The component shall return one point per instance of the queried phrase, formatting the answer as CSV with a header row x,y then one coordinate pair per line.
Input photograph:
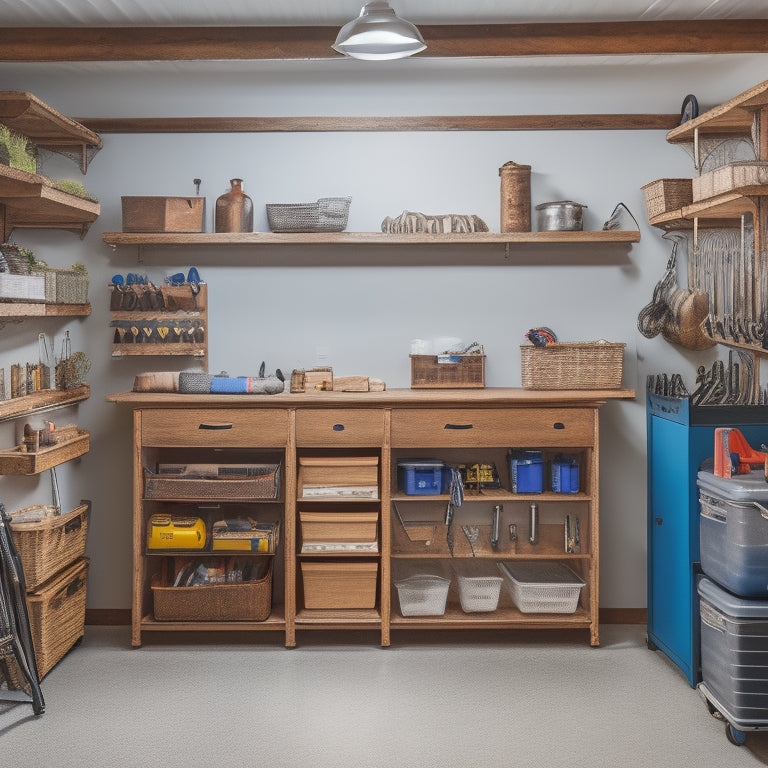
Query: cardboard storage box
x,y
163,214
343,528
353,477
734,653
339,585
733,534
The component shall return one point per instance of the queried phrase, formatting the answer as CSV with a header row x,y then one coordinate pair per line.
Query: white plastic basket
x,y
479,594
542,587
423,595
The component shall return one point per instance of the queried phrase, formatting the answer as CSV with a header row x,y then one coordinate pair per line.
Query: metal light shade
x,y
378,34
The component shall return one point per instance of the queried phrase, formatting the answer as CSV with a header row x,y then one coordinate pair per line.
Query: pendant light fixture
x,y
377,34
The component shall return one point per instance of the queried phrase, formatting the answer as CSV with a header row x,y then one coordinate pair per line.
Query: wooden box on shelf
x,y
163,214
447,371
339,585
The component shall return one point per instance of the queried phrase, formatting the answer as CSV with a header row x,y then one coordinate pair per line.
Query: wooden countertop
x,y
401,398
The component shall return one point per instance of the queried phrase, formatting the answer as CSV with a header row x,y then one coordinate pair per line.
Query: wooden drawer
x,y
329,428
215,427
493,427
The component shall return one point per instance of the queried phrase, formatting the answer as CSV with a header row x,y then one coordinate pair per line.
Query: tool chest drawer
x,y
214,427
329,428
469,428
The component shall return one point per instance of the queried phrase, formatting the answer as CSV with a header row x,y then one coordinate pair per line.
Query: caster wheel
x,y
713,710
734,735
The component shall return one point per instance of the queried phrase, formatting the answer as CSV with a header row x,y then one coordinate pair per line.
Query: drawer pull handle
x,y
559,425
459,426
338,427
215,425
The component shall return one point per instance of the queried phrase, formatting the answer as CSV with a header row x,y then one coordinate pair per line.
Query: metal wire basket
x,y
328,214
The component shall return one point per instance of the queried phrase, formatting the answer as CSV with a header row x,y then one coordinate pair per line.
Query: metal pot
x,y
560,215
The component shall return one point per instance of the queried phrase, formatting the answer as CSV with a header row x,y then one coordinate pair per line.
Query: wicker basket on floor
x,y
579,365
46,547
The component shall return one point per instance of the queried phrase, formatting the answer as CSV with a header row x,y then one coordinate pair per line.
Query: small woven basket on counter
x,y
328,214
578,365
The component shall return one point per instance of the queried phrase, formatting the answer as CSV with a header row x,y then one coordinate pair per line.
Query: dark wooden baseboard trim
x,y
623,616
108,616
122,616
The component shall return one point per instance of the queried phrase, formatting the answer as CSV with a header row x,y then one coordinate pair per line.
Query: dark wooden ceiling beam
x,y
58,44
609,122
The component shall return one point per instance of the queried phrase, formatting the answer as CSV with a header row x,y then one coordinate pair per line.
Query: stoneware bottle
x,y
234,210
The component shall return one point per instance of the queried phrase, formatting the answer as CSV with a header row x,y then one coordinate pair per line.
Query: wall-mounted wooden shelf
x,y
49,129
366,238
17,310
45,400
33,201
17,461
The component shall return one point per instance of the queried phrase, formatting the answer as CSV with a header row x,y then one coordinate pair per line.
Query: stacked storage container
x,y
734,599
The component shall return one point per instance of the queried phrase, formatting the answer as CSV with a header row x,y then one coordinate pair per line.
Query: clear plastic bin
x,y
423,595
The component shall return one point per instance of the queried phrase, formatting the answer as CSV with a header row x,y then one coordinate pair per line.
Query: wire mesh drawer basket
x,y
328,214
580,365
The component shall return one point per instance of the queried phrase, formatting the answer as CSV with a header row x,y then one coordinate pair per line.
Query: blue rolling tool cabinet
x,y
680,438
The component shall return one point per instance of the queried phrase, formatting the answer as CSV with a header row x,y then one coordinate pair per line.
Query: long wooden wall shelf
x,y
116,239
17,310
33,201
49,129
46,400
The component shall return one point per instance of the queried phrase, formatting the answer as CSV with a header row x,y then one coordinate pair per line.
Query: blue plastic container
x,y
420,477
526,472
565,474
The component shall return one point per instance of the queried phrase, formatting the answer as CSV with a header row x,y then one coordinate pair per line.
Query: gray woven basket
x,y
328,214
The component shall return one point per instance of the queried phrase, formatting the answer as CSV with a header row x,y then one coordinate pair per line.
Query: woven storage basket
x,y
248,601
263,486
328,214
50,545
57,615
665,195
65,286
579,365
428,373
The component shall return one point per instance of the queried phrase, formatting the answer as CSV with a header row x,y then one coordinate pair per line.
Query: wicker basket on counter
x,y
578,365
328,214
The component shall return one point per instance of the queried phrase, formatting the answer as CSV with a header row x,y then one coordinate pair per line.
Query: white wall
x,y
363,305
